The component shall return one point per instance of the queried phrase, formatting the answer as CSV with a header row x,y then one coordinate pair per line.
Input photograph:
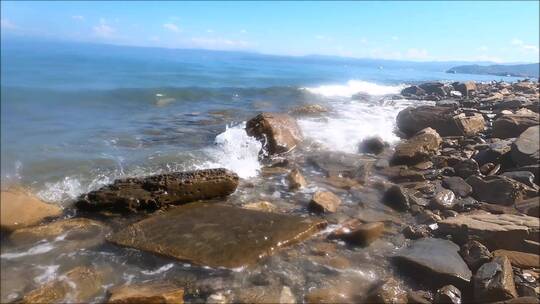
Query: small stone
x,y
444,199
475,254
418,148
448,294
296,180
359,234
494,281
324,201
397,198
466,168
418,297
416,232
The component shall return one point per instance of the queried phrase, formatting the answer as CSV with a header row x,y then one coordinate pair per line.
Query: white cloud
x,y
219,43
103,30
526,48
78,17
417,54
171,27
6,24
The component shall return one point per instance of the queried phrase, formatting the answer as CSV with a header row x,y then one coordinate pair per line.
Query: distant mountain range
x,y
517,70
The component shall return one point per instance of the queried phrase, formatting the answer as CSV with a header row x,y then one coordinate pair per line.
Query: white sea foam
x,y
236,151
159,270
353,87
38,249
49,273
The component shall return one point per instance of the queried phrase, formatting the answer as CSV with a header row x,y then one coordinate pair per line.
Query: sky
x,y
499,31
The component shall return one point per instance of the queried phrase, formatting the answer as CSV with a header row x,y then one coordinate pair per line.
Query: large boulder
x,y
437,260
512,125
494,281
465,88
526,149
164,293
444,120
418,148
496,231
435,88
216,235
279,133
413,91
496,189
19,209
153,192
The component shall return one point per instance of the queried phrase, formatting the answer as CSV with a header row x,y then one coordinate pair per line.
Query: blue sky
x,y
426,30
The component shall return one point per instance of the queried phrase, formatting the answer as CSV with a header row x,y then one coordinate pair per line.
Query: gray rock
x,y
512,125
444,199
475,254
526,149
374,145
397,198
466,168
524,177
496,189
458,185
494,281
448,294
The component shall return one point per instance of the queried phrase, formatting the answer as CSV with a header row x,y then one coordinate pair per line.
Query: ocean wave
x,y
354,87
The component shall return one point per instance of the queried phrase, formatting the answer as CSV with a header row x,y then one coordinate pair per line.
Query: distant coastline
x,y
516,70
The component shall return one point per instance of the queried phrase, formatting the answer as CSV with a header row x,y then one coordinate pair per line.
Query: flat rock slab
x,y
438,257
216,235
496,231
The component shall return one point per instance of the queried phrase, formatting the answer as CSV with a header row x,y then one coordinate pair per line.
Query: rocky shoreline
x,y
452,210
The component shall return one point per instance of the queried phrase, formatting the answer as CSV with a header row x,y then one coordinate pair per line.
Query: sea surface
x,y
77,116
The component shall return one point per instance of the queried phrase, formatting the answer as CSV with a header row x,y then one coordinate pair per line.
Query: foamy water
x,y
354,87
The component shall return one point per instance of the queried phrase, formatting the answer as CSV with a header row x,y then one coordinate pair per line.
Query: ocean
x,y
76,116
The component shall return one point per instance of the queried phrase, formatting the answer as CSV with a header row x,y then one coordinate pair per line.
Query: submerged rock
x,y
324,201
163,293
357,233
279,133
296,180
437,259
387,292
20,209
497,231
526,149
216,235
310,109
343,164
261,206
494,281
153,192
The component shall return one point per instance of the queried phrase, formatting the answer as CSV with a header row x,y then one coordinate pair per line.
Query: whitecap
x,y
353,87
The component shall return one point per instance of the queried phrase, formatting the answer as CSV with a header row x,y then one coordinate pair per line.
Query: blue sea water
x,y
75,116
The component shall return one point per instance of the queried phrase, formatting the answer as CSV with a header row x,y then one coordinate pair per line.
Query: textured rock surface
x,y
475,254
526,149
361,234
520,259
438,257
163,293
19,209
279,133
458,185
494,281
324,201
497,231
495,189
296,180
216,235
448,294
512,125
153,192
387,292
374,145
418,148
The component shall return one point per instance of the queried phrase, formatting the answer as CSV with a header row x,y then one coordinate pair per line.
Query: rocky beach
x,y
447,214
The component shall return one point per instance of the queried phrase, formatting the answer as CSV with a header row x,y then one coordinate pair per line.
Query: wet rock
x,y
85,232
279,133
524,177
387,292
497,231
418,148
265,294
466,168
444,199
325,295
296,180
434,88
419,297
512,125
164,293
216,235
401,174
343,164
475,254
465,88
374,145
359,234
341,182
79,285
261,206
458,185
494,281
495,189
397,198
20,209
324,201
448,294
470,124
519,259
526,149
153,192
416,232
434,261
534,169
495,153
520,300
529,207
309,110
413,91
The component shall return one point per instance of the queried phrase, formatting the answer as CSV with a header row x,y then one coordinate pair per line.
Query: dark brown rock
x,y
448,294
529,207
413,91
153,192
497,231
279,133
519,259
397,198
324,201
458,185
419,297
387,292
526,149
512,125
494,281
374,145
524,177
216,235
163,293
296,180
418,148
466,168
465,88
357,233
21,209
496,189
475,254
416,232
